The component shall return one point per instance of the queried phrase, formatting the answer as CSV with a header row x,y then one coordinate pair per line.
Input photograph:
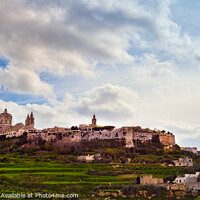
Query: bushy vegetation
x,y
12,144
134,190
101,128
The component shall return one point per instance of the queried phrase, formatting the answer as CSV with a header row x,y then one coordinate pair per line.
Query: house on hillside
x,y
191,182
148,179
188,178
183,162
89,158
190,149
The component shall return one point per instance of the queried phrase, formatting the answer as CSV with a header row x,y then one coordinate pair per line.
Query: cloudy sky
x,y
129,62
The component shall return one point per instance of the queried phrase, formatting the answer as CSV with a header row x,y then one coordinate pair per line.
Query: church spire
x,y
94,121
29,123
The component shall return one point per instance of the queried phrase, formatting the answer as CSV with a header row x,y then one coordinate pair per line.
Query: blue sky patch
x,y
3,62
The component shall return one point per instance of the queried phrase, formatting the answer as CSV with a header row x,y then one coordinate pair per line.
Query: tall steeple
x,y
29,123
94,121
31,118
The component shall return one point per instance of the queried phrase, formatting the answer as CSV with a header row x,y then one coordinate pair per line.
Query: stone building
x,y
5,119
29,123
188,178
190,149
88,158
142,136
189,182
18,126
148,179
183,162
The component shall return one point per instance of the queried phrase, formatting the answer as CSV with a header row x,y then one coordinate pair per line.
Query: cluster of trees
x,y
101,128
12,144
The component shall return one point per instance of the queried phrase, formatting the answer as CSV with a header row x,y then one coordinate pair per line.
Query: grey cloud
x,y
185,133
109,101
63,37
24,81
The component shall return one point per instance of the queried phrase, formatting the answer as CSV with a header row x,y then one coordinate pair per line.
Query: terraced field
x,y
58,177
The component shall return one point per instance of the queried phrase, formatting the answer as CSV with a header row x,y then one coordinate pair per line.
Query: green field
x,y
26,175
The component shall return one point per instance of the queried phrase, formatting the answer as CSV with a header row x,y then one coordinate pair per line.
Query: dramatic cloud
x,y
23,81
73,37
110,102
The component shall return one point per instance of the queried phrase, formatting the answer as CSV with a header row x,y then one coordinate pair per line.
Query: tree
x,y
74,128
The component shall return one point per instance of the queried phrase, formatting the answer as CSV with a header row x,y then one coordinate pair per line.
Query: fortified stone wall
x,y
167,139
129,134
68,137
142,136
105,134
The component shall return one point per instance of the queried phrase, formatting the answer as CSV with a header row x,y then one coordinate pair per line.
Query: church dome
x,y
5,118
5,113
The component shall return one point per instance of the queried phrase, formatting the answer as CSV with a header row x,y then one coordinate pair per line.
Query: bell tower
x,y
94,121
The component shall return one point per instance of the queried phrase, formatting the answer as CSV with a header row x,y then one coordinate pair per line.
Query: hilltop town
x,y
130,137
83,132
149,159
